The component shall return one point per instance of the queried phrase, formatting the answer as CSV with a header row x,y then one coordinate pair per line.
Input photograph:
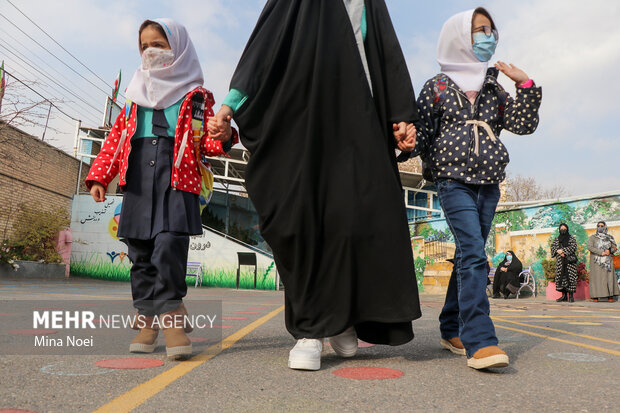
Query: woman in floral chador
x,y
602,246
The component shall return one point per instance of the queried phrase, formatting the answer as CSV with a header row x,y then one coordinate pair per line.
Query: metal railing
x,y
235,240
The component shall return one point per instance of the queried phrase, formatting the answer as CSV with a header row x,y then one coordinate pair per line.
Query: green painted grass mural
x,y
93,267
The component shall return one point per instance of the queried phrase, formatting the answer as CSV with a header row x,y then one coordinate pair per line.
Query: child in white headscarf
x,y
156,145
463,111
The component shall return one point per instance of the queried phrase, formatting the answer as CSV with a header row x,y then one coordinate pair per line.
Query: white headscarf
x,y
161,88
455,53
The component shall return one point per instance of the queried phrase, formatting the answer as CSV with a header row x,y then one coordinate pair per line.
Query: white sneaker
x,y
306,355
345,343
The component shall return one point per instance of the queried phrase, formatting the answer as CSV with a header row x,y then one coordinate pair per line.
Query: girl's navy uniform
x,y
156,222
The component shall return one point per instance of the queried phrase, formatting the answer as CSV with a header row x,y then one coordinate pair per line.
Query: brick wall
x,y
31,172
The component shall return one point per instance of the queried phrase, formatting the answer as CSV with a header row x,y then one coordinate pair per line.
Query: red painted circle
x,y
234,318
16,411
129,363
248,312
33,331
198,339
4,314
368,373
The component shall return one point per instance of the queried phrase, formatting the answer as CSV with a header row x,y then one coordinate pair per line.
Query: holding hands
x,y
513,72
218,126
405,135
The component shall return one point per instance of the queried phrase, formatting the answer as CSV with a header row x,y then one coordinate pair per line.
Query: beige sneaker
x,y
454,345
345,343
488,357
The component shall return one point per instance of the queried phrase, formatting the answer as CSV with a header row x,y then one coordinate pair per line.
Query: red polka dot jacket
x,y
114,154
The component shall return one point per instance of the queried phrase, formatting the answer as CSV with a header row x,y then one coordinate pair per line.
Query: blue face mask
x,y
484,46
508,257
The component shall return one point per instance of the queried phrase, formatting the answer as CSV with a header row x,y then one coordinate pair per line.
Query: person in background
x,y
564,250
506,280
602,246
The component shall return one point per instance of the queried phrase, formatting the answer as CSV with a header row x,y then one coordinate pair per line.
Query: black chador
x,y
323,174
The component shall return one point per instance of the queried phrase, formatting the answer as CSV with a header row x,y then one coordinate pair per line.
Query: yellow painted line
x,y
585,323
561,316
593,322
574,343
558,331
135,397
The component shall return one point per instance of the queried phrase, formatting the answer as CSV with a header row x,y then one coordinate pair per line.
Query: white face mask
x,y
156,58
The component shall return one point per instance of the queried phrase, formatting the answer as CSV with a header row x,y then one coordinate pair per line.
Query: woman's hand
x,y
97,191
513,72
504,269
218,126
605,253
405,135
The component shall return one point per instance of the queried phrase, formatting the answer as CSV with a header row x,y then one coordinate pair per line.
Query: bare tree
x,y
21,108
520,188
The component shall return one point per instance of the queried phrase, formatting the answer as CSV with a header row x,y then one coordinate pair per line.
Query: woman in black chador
x,y
323,99
506,279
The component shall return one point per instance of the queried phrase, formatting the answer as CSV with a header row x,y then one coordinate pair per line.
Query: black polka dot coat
x,y
446,137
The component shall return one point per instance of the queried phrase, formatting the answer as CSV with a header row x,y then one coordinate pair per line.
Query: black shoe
x,y
563,298
496,296
571,299
506,296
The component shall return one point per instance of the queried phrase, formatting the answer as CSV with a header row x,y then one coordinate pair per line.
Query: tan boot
x,y
188,327
178,344
146,340
454,345
488,357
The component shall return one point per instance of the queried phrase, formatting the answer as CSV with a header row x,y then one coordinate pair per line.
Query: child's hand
x,y
98,192
513,72
218,126
405,136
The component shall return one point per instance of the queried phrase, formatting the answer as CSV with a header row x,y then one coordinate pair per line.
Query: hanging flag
x,y
2,83
117,85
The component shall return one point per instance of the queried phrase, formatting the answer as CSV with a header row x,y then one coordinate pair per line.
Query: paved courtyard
x,y
564,357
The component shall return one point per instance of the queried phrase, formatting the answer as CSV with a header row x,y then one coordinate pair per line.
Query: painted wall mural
x,y
98,253
527,231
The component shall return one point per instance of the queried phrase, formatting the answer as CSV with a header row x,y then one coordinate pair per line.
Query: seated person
x,y
506,278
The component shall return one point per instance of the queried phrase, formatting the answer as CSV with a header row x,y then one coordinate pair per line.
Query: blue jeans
x,y
469,212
